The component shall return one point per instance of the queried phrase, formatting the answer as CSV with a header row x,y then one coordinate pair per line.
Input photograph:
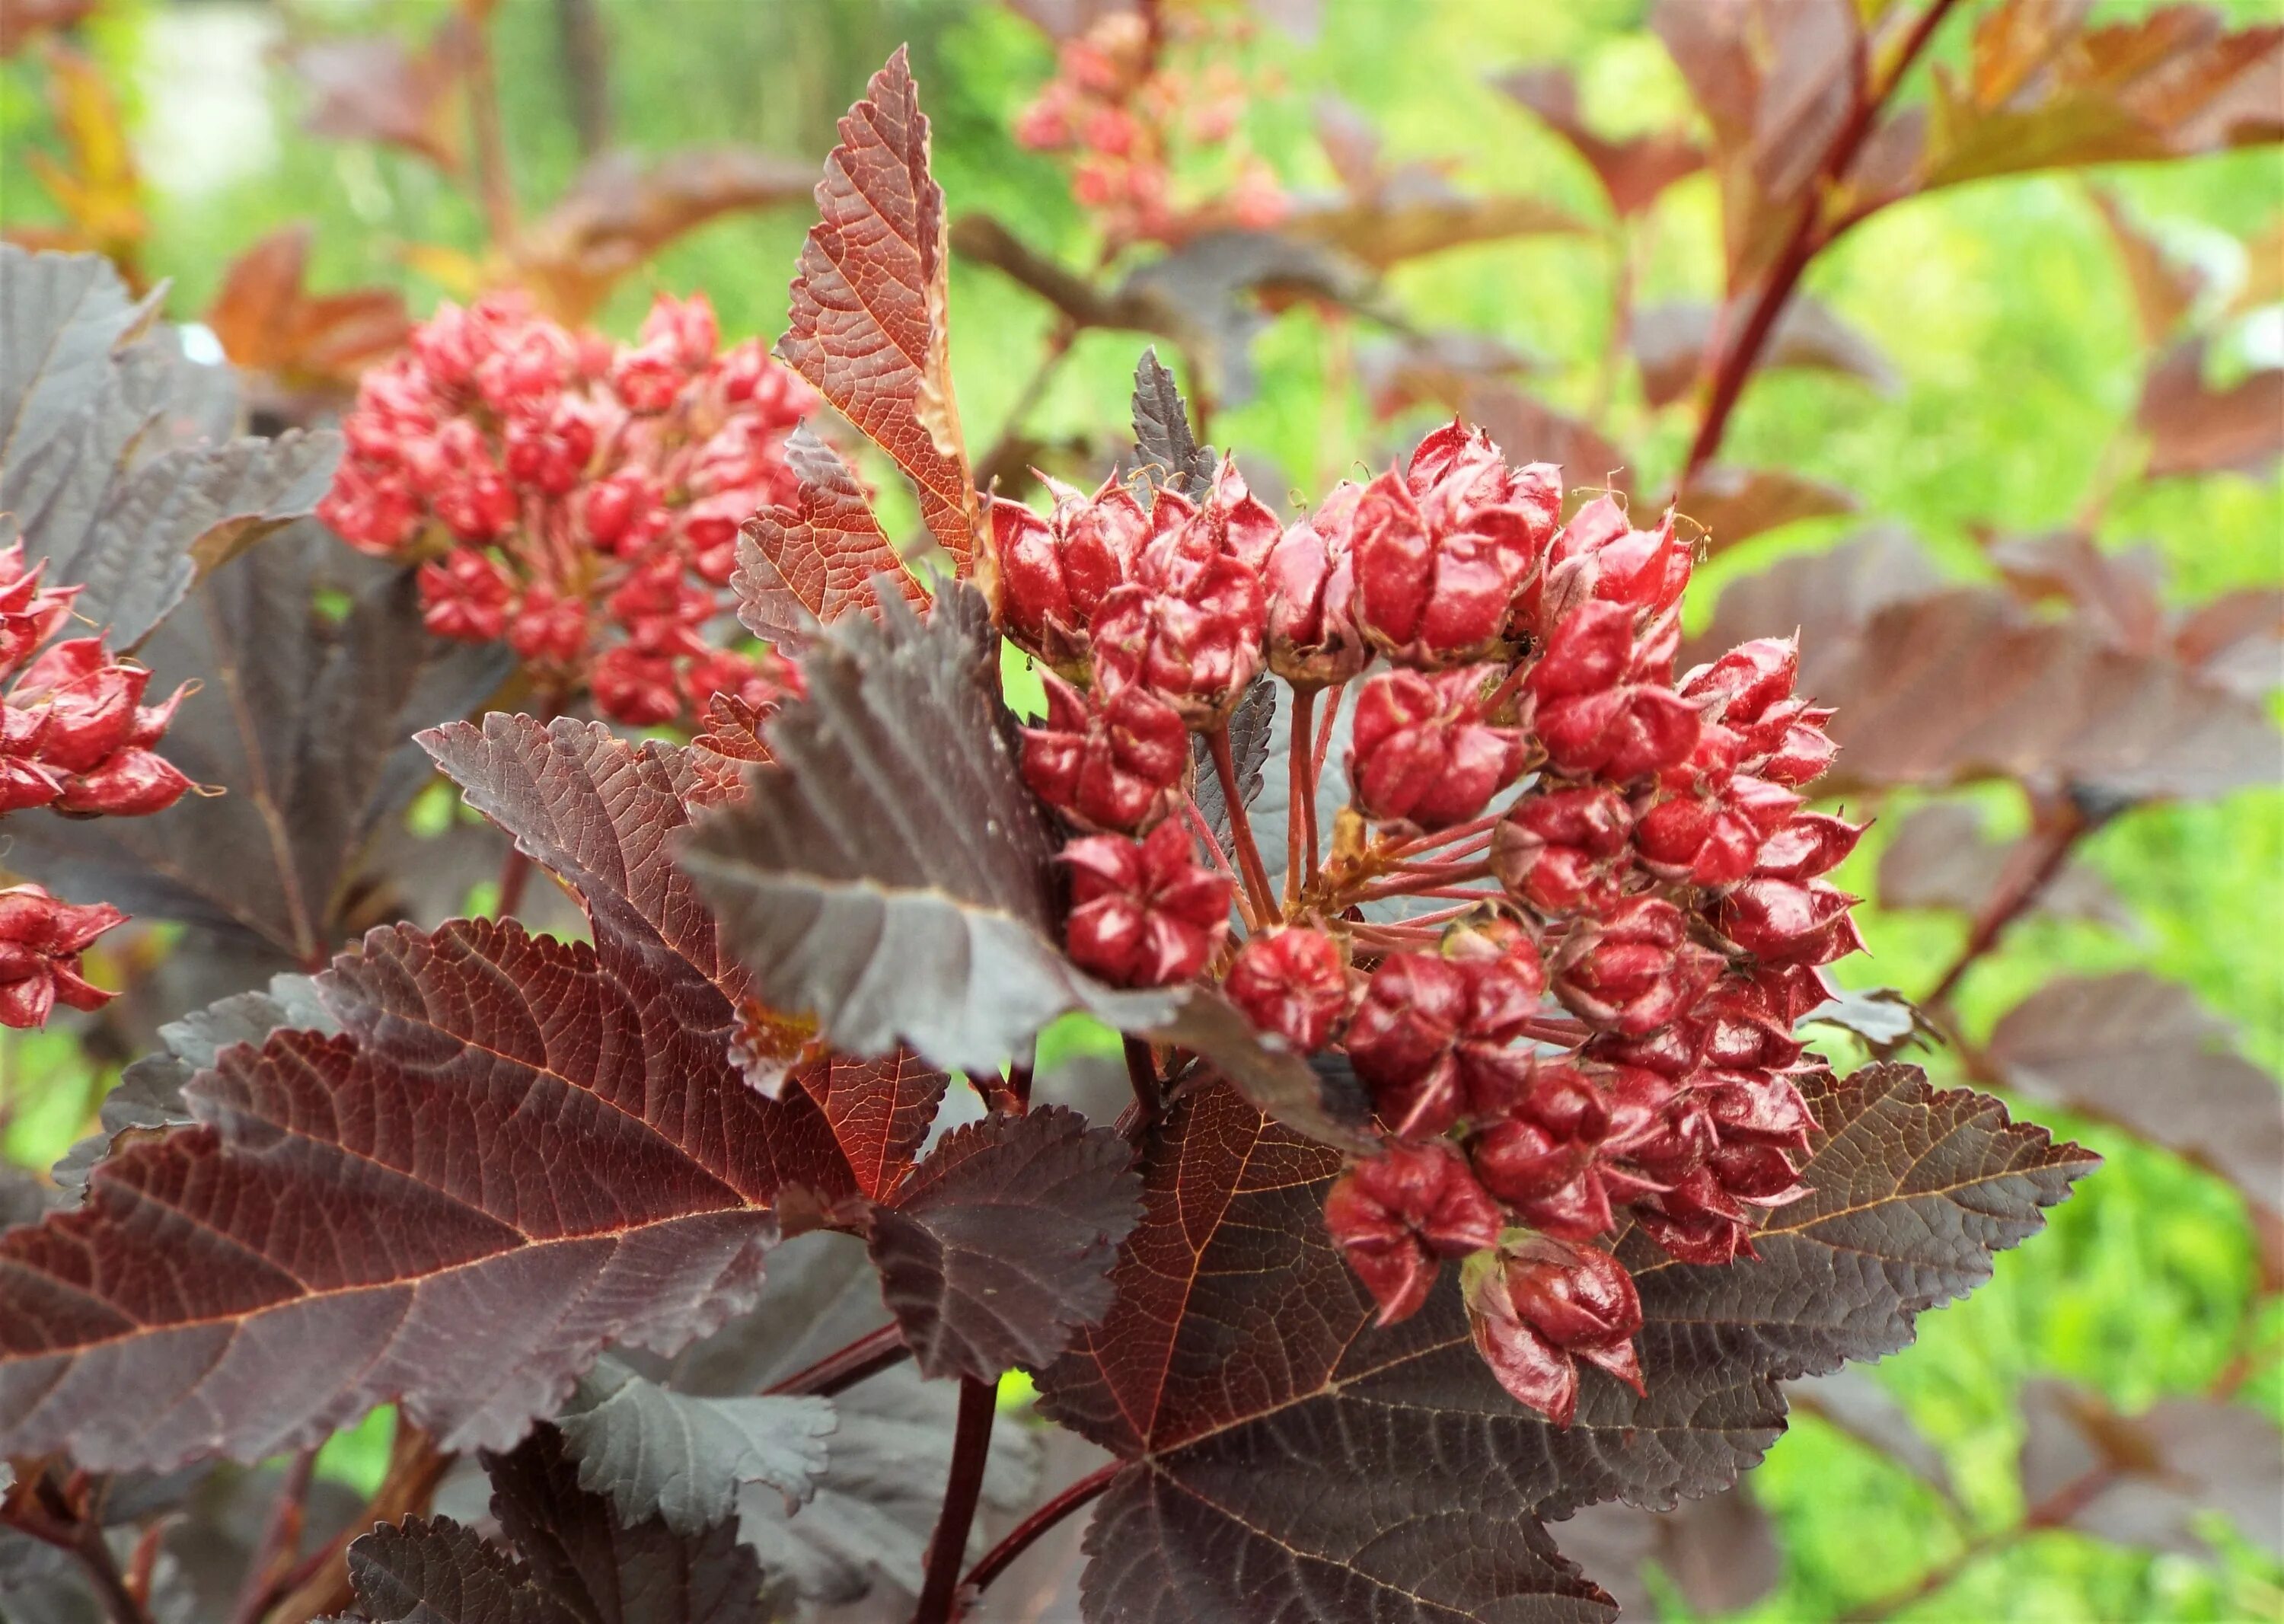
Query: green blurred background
x,y
2000,307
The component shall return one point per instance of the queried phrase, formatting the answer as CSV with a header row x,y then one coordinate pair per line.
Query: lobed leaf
x,y
1162,439
655,1451
433,1571
1000,1243
802,566
115,464
516,1150
1251,726
870,303
1939,857
266,319
1669,341
1736,505
1239,1374
2196,428
1633,171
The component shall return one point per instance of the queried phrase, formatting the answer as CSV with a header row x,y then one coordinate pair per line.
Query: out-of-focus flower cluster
x,y
76,738
580,498
1593,1022
1133,119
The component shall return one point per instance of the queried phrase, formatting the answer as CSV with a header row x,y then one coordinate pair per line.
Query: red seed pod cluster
x,y
1137,98
76,738
1618,893
579,498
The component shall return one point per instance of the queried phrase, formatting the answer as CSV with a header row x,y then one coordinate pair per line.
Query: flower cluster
x,y
579,498
1130,119
1624,893
76,738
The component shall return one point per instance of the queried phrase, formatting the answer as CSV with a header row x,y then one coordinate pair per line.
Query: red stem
x,y
971,1449
868,1355
1240,825
1142,1072
1026,1534
2012,901
1736,362
1299,802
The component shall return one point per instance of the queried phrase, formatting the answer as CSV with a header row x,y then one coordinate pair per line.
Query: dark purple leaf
x,y
1162,440
1239,1374
1000,1243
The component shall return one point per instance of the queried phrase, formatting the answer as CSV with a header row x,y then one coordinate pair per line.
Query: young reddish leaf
x,y
609,1572
305,733
1633,171
1669,341
2149,1480
115,465
267,320
542,1150
869,303
377,88
2194,428
619,213
1937,687
2144,1054
1939,857
2164,289
2236,640
601,814
2042,92
1000,1243
806,565
1736,505
1279,1442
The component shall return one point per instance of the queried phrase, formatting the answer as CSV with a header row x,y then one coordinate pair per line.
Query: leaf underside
x,y
806,565
1240,1375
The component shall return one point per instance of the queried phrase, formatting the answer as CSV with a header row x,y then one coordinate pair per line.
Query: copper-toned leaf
x,y
1439,367
620,211
268,321
2196,428
1669,340
113,464
95,183
2236,640
2041,91
999,1246
802,566
2147,1480
378,88
1937,686
24,20
1633,171
1240,1375
1736,505
2144,1054
2164,289
303,720
869,303
1939,857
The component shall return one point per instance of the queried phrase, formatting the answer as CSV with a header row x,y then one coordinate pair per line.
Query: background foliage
x,y
2007,355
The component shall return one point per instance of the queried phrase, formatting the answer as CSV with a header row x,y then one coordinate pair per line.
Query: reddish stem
x,y
868,1355
2012,901
971,1450
1739,359
280,1540
1026,1534
1142,1072
1240,825
1299,800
